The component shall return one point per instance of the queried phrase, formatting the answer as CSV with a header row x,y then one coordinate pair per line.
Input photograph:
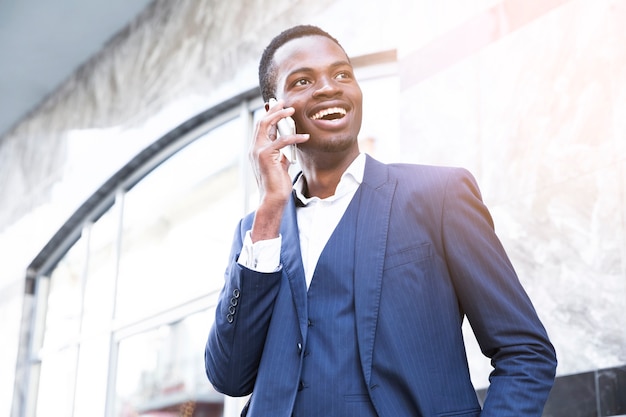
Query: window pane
x,y
93,365
178,223
161,371
101,271
64,299
379,134
56,384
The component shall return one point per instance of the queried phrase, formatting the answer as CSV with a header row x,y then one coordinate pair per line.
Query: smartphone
x,y
286,126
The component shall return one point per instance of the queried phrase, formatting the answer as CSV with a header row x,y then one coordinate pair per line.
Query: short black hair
x,y
267,69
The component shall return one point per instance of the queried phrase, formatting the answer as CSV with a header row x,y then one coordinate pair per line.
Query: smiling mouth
x,y
332,113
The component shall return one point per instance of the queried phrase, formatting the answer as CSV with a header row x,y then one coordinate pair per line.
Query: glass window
x,y
379,136
160,371
75,350
101,273
93,352
64,304
178,222
141,273
91,377
56,383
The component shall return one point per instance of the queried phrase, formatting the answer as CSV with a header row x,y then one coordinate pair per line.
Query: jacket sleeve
x,y
499,311
244,309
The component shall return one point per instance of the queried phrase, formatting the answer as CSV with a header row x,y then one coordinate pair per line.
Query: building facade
x,y
121,192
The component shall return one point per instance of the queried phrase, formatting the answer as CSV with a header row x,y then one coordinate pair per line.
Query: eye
x,y
344,75
301,82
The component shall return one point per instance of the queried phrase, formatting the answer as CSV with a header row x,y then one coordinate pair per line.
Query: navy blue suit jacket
x,y
427,256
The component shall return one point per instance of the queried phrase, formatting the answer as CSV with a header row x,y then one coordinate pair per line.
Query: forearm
x,y
235,344
521,381
267,219
500,312
242,315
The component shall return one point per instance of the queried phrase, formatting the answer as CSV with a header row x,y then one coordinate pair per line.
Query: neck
x,y
322,179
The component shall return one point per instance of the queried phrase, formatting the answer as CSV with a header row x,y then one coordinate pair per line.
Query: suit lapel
x,y
371,240
371,237
291,260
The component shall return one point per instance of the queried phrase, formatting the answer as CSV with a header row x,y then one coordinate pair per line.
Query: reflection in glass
x,y
177,225
56,384
101,273
65,298
160,372
379,136
91,377
161,252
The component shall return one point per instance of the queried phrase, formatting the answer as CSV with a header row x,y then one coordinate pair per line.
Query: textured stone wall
x,y
176,59
534,110
173,50
530,96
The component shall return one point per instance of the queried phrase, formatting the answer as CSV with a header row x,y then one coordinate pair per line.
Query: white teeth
x,y
326,112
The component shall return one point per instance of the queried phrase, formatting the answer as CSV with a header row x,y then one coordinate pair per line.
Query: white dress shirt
x,y
317,220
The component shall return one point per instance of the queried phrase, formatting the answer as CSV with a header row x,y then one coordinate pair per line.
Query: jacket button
x,y
234,301
230,318
299,348
301,386
231,309
236,293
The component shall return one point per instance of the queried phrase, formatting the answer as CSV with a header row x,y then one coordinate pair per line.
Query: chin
x,y
340,144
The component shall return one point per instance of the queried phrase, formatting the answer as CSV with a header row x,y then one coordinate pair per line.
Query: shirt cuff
x,y
261,256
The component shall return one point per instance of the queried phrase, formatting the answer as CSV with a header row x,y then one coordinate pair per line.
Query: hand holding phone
x,y
286,126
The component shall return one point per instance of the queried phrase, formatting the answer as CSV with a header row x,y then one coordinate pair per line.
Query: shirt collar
x,y
349,182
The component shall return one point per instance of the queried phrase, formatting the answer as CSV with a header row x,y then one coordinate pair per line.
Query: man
x,y
346,290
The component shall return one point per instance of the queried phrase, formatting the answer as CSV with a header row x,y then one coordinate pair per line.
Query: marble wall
x,y
529,95
534,111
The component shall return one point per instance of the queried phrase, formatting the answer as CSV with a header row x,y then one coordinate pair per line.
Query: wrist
x,y
267,219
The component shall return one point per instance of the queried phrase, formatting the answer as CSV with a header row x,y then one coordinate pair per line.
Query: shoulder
x,y
427,172
420,175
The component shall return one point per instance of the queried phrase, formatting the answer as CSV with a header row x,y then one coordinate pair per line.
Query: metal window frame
x,y
36,291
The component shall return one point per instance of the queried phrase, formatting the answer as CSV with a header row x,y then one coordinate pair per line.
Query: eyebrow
x,y
336,64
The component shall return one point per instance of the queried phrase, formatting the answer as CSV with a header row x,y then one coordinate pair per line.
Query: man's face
x,y
315,77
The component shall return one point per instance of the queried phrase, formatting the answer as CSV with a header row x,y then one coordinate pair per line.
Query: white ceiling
x,y
42,42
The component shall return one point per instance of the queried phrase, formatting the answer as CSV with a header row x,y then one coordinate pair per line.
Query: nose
x,y
327,87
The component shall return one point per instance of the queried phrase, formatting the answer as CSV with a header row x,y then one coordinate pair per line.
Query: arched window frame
x,y
37,277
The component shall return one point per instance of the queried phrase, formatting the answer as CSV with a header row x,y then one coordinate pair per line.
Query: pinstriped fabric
x,y
332,383
426,256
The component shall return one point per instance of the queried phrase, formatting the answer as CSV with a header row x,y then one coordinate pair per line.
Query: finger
x,y
287,140
278,111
